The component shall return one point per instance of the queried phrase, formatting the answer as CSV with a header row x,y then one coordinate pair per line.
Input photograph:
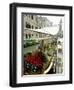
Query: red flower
x,y
35,60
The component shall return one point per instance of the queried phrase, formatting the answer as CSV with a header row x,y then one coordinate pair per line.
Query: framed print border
x,y
13,44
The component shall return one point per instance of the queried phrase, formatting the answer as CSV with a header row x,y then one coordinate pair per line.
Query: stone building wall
x,y
34,22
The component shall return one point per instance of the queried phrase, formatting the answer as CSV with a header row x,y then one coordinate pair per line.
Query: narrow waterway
x,y
30,48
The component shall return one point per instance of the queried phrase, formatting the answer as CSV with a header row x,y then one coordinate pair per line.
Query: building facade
x,y
31,22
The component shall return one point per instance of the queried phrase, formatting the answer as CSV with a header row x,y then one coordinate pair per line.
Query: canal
x,y
30,48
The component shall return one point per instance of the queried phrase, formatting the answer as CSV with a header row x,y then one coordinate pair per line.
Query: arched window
x,y
31,16
28,25
26,36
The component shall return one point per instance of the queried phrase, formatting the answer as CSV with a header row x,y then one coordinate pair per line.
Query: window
x,y
32,27
39,27
60,50
59,42
36,27
31,16
28,25
26,36
32,34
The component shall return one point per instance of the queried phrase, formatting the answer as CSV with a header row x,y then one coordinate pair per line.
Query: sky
x,y
55,19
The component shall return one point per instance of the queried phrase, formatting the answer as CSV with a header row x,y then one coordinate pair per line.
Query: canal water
x,y
30,48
